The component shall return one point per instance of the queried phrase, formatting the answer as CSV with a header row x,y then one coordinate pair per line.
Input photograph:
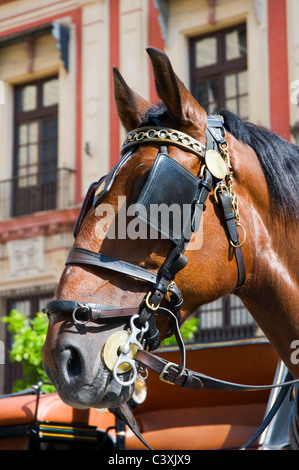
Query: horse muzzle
x,y
75,364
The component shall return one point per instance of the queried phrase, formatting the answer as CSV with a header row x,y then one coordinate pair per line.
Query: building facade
x,y
59,129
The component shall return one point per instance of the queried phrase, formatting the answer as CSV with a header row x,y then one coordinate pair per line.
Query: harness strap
x,y
270,415
229,217
241,266
87,203
106,182
194,380
78,255
168,372
124,413
83,312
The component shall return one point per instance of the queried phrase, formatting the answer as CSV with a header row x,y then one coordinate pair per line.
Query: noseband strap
x,y
83,256
83,312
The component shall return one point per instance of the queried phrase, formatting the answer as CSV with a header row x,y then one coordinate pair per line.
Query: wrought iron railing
x,y
226,319
30,193
227,333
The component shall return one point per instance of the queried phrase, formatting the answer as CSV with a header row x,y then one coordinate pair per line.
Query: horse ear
x,y
130,106
181,105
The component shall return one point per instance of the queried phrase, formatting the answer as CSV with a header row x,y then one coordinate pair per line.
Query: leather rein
x,y
164,297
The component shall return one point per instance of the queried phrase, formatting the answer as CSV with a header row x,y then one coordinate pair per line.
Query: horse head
x,y
130,268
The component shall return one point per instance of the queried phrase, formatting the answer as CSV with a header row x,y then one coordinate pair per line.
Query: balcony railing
x,y
225,320
26,194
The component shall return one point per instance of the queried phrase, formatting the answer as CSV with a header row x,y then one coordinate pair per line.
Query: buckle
x,y
165,369
168,292
152,306
220,187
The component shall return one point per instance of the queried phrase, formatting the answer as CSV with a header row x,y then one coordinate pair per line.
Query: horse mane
x,y
279,160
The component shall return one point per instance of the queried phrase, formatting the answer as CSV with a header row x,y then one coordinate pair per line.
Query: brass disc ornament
x,y
112,349
215,164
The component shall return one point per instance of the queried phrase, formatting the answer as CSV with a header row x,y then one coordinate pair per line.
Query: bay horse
x,y
117,297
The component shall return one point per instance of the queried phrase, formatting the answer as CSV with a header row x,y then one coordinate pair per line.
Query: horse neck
x,y
272,248
275,273
272,296
271,292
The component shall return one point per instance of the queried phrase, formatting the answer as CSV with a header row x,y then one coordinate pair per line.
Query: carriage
x,y
172,419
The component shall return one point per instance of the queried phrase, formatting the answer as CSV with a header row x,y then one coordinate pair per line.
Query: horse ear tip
x,y
149,49
153,51
117,76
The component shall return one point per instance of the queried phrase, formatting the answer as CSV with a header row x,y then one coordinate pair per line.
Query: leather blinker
x,y
165,202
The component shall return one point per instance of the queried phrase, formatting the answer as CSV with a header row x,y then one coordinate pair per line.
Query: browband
x,y
165,136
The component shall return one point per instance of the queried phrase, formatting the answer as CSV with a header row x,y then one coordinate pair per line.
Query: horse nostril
x,y
74,363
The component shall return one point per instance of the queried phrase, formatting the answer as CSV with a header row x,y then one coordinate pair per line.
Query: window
x,y
218,71
35,146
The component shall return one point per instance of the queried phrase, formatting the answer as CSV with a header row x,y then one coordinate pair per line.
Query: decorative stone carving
x,y
26,257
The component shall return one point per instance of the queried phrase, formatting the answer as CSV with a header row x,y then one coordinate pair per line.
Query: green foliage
x,y
188,328
28,340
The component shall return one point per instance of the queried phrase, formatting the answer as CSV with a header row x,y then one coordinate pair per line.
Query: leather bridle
x,y
164,298
162,284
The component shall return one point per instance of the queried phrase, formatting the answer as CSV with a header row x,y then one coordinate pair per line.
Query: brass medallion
x,y
215,164
112,348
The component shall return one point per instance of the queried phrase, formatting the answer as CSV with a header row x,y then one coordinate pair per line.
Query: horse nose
x,y
72,364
